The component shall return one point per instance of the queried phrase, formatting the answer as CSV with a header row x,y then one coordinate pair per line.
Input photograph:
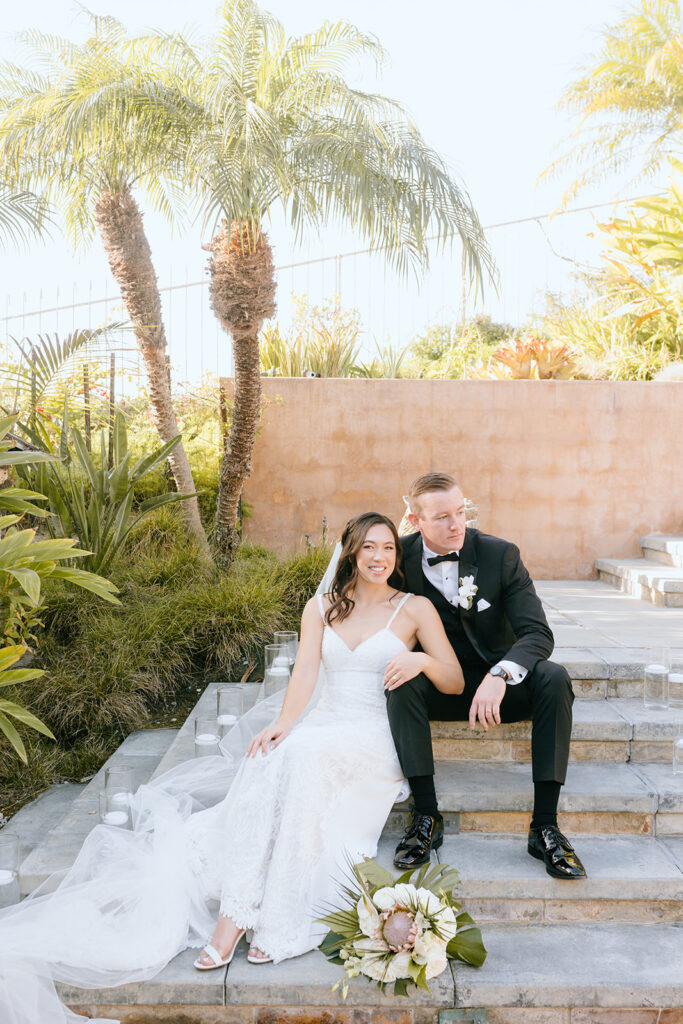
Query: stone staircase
x,y
607,950
656,577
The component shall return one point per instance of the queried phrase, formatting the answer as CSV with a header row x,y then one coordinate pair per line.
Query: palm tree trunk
x,y
242,296
119,222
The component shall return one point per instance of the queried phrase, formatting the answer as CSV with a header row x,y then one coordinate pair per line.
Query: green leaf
x,y
120,438
28,580
64,453
468,944
401,986
25,458
13,736
10,654
343,921
6,521
20,675
150,462
163,499
88,581
84,458
374,874
332,943
25,717
6,423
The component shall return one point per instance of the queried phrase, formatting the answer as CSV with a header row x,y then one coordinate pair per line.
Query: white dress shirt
x,y
446,578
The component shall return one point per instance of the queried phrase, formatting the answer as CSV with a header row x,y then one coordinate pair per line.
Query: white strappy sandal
x,y
218,961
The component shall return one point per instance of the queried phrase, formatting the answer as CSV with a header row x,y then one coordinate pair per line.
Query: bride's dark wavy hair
x,y
345,578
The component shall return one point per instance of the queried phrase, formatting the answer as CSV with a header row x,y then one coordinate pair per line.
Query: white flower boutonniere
x,y
466,591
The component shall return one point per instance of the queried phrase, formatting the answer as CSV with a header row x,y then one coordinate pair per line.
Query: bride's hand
x,y
271,736
403,667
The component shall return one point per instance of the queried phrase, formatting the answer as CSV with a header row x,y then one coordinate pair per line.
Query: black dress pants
x,y
545,696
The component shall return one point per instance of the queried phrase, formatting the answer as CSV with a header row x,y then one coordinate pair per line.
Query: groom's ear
x,y
413,520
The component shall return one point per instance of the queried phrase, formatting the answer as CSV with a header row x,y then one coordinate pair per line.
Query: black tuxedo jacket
x,y
513,627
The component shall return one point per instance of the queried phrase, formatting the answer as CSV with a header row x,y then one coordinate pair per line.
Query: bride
x,y
262,837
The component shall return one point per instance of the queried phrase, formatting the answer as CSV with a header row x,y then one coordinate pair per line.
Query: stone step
x,y
577,965
648,580
141,751
665,548
630,879
615,799
32,823
606,730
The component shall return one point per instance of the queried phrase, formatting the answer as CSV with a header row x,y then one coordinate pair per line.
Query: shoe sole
x,y
554,874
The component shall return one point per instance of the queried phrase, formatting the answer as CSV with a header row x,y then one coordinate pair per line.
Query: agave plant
x,y
89,500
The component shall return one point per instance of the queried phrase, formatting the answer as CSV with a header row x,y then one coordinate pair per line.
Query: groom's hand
x,y
486,701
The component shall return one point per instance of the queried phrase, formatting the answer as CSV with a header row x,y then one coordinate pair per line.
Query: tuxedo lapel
x,y
467,566
412,564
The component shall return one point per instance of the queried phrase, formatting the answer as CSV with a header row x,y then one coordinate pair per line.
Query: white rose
x,y
380,969
385,898
368,918
431,950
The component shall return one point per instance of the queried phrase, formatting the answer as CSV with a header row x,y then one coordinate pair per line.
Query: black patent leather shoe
x,y
548,844
424,834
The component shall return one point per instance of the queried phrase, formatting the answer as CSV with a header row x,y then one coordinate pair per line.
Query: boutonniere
x,y
466,592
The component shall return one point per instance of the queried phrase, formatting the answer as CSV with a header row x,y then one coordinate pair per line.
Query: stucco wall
x,y
568,470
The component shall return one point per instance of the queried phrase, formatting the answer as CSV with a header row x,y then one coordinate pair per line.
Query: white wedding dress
x,y
267,840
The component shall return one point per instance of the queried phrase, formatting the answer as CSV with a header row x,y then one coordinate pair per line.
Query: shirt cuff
x,y
517,673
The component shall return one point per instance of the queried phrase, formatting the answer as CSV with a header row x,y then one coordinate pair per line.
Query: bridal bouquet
x,y
400,931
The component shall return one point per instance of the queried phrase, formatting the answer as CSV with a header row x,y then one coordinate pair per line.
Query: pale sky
x,y
481,80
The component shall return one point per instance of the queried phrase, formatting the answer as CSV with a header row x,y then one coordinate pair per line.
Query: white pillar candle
x,y
115,818
6,877
224,720
119,799
205,739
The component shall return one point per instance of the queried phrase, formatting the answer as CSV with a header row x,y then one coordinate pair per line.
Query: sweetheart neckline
x,y
352,650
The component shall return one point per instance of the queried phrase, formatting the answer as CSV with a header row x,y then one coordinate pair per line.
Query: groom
x,y
497,627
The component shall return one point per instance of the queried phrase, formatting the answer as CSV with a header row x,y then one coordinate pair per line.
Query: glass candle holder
x,y
206,737
289,639
9,869
678,748
119,780
115,809
276,654
656,679
275,679
676,681
229,707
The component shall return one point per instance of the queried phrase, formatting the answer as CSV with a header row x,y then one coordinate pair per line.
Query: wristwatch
x,y
498,670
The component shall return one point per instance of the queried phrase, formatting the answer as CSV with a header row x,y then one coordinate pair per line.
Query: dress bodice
x,y
354,678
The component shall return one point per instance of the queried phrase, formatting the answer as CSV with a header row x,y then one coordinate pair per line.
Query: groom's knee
x,y
551,683
410,696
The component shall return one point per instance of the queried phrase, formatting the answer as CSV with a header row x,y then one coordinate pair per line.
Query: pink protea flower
x,y
399,929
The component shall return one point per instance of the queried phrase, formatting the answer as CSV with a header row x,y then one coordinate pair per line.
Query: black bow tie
x,y
452,556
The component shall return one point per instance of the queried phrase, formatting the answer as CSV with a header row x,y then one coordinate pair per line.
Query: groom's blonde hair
x,y
426,483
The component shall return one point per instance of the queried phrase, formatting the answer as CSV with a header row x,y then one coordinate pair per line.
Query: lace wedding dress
x,y
267,840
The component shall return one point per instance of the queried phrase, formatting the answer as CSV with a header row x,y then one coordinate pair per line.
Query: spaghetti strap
x,y
398,608
322,606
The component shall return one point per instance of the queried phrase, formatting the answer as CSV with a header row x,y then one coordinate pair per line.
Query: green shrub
x,y
109,670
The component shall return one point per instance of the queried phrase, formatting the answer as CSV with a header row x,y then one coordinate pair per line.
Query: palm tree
x,y
22,215
629,98
75,133
271,122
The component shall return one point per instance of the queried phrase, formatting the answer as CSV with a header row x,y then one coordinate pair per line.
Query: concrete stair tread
x,y
503,786
533,965
36,819
618,867
576,965
141,751
618,718
664,578
666,548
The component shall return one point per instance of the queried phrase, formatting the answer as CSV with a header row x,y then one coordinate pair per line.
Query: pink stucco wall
x,y
569,470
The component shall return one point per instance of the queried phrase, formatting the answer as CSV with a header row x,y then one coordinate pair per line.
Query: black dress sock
x,y
546,797
424,794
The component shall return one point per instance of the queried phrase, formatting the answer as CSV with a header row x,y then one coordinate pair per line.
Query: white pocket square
x,y
482,604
